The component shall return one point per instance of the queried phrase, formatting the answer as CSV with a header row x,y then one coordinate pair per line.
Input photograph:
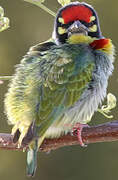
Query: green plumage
x,y
45,85
32,159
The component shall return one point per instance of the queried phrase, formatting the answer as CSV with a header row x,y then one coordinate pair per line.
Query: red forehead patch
x,y
76,13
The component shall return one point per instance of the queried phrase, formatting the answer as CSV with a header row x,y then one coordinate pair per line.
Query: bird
x,y
59,84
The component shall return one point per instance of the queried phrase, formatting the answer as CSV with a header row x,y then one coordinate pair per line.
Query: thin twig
x,y
3,78
94,134
42,6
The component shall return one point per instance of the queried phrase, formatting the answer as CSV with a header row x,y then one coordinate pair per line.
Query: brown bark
x,y
100,133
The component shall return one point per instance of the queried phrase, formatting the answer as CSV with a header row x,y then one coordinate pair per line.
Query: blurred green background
x,y
30,25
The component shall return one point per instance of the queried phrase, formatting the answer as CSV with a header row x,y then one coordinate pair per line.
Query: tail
x,y
32,159
34,142
32,156
33,147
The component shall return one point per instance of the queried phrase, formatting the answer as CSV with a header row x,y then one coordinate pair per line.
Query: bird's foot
x,y
79,127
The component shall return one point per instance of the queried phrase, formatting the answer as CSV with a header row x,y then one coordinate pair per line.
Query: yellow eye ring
x,y
61,20
61,30
93,28
92,18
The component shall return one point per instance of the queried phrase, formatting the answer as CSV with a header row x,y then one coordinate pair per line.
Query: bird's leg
x,y
79,127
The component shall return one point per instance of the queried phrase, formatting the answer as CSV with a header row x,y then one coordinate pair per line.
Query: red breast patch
x,y
100,43
74,13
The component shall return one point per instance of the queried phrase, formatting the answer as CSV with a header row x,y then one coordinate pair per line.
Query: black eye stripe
x,y
66,26
92,23
84,23
88,24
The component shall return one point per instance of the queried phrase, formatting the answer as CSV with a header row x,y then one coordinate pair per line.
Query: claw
x,y
79,127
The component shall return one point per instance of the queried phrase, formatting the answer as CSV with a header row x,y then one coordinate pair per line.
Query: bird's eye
x,y
91,24
84,23
67,25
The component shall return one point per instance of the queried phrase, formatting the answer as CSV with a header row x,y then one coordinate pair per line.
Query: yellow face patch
x,y
93,28
61,20
92,18
80,38
61,30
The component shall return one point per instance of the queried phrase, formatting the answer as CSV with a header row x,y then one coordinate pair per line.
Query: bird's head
x,y
76,19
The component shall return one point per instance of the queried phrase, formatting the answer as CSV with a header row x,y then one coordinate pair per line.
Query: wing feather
x,y
49,80
64,83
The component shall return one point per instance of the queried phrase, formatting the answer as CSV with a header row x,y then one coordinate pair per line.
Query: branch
x,y
101,133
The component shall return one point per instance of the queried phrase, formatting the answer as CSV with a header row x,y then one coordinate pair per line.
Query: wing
x,y
41,47
64,80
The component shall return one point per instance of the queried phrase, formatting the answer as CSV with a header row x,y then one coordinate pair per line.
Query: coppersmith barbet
x,y
60,83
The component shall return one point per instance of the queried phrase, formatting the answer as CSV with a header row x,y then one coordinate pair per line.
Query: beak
x,y
77,28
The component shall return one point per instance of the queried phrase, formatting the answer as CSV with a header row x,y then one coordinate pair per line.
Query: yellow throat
x,y
80,38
